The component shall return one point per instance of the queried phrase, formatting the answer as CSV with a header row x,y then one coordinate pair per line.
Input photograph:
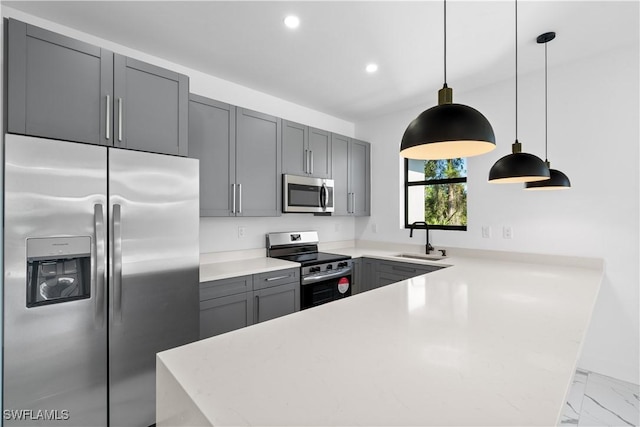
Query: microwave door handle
x,y
323,197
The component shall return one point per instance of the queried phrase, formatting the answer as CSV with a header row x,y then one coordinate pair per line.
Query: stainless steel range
x,y
324,277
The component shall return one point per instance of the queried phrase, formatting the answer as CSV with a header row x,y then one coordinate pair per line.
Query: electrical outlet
x,y
241,232
374,228
507,233
486,231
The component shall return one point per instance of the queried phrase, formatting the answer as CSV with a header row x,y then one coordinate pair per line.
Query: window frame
x,y
408,184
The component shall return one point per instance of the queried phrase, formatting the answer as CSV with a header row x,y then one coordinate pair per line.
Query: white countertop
x,y
226,269
484,342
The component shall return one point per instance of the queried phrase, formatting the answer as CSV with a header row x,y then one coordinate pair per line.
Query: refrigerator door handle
x,y
99,270
117,263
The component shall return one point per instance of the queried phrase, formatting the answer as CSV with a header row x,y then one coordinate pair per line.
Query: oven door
x,y
307,194
317,291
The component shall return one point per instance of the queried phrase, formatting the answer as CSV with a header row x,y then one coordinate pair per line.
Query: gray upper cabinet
x,y
151,107
57,86
62,88
320,153
340,170
258,167
360,177
305,150
212,127
239,152
295,148
351,169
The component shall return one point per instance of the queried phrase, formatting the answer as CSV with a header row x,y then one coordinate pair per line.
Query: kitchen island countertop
x,y
482,342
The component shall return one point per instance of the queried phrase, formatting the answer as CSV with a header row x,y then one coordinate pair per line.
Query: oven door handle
x,y
320,277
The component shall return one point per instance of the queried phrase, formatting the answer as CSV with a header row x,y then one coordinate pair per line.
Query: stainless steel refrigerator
x,y
101,264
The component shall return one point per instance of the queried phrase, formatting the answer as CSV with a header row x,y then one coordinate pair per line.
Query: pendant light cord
x,y
516,70
546,102
445,43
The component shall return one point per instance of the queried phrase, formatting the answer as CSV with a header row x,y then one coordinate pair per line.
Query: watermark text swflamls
x,y
35,415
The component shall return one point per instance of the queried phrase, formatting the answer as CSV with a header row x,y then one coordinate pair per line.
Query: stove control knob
x,y
342,264
329,267
314,269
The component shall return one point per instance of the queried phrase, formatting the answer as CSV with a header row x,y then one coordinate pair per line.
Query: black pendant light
x,y
448,130
558,180
518,166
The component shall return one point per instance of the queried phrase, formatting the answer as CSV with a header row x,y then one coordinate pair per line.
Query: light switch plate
x,y
486,231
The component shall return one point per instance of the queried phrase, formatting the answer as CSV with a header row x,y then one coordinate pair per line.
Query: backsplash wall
x,y
221,234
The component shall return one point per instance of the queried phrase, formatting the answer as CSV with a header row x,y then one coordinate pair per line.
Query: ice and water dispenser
x,y
58,269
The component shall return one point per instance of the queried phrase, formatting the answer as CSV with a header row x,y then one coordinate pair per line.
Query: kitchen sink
x,y
422,257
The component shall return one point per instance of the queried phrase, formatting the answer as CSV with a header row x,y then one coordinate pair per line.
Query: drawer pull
x,y
271,279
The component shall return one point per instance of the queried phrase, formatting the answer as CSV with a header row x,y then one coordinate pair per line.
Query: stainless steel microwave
x,y
307,194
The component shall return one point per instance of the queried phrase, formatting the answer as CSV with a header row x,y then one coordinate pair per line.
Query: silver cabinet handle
x,y
99,263
239,198
349,203
107,132
311,162
120,102
233,201
353,204
306,161
117,263
271,279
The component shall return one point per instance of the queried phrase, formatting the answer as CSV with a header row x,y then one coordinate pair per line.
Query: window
x,y
435,191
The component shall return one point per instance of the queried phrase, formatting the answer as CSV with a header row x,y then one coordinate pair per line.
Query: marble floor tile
x,y
609,402
571,413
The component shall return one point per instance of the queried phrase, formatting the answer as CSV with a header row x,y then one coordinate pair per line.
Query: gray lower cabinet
x,y
356,276
376,273
305,150
62,88
351,169
230,304
277,301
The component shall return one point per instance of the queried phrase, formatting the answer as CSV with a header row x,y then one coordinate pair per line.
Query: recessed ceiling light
x,y
372,68
292,21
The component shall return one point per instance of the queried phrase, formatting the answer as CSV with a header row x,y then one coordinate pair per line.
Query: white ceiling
x,y
321,64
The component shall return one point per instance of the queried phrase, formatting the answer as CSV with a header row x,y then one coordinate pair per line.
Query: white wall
x,y
593,138
221,234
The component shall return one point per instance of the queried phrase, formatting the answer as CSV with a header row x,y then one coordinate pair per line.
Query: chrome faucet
x,y
428,247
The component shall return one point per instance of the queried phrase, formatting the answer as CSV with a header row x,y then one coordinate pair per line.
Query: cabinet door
x,y
320,153
368,273
356,276
212,140
360,177
151,107
276,301
295,157
340,173
258,167
384,279
224,314
57,86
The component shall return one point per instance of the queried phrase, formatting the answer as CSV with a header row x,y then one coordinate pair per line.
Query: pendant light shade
x,y
448,130
558,180
518,166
